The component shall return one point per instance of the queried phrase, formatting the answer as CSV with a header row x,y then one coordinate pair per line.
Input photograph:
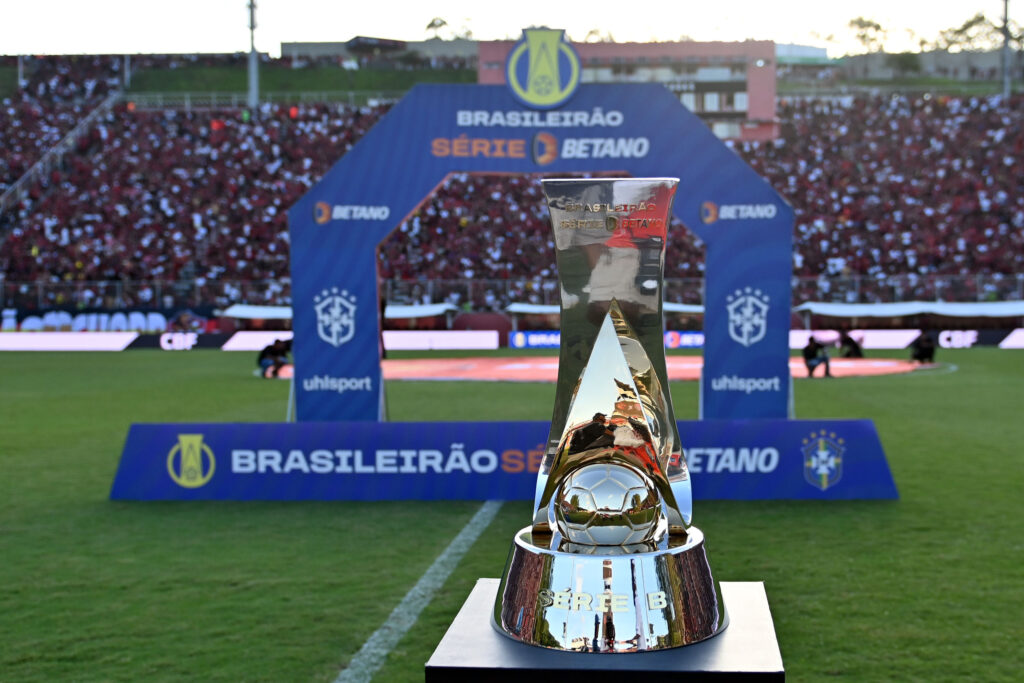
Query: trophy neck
x,y
610,236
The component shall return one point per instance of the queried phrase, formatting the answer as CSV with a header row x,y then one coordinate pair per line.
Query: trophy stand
x,y
472,651
610,575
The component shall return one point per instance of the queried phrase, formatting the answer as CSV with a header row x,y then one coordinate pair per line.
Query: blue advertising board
x,y
729,460
547,339
635,129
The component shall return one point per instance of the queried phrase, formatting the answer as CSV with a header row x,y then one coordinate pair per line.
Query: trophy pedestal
x,y
472,650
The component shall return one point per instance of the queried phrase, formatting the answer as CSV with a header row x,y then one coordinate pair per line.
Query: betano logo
x,y
190,462
543,70
708,212
324,212
711,212
321,212
545,148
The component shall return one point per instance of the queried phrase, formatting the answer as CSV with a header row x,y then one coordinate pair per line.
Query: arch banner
x,y
638,130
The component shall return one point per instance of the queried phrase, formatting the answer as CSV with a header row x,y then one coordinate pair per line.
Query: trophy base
x,y
747,651
608,603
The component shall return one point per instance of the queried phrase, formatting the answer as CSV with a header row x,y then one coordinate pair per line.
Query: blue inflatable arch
x,y
637,129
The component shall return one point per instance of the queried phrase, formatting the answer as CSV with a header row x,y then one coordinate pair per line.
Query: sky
x,y
147,26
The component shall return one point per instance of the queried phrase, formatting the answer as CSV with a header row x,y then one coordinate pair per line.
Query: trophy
x,y
610,562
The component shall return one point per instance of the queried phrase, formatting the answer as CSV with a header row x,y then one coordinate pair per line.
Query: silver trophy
x,y
610,562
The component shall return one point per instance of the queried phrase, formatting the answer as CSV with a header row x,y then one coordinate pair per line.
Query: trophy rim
x,y
644,179
694,537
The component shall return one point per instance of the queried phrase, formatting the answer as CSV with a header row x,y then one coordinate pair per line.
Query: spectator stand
x,y
916,314
896,198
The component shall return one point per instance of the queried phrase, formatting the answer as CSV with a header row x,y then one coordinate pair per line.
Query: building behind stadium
x,y
730,85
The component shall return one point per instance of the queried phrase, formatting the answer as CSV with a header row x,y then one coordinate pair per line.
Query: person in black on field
x,y
274,356
815,355
923,348
850,347
380,331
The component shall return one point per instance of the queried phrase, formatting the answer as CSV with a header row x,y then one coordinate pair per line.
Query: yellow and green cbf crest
x,y
823,458
190,462
543,69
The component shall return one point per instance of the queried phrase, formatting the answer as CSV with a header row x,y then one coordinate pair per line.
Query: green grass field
x,y
8,81
283,79
928,588
909,85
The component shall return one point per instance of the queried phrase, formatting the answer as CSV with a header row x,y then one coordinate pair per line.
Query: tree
x,y
595,36
465,32
435,25
977,33
869,33
830,38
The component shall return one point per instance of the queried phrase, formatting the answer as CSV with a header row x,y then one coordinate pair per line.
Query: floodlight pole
x,y
1006,48
254,69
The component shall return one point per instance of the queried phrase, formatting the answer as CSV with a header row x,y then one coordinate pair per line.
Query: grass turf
x,y
914,84
283,79
8,81
926,588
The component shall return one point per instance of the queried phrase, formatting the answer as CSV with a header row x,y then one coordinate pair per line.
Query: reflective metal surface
x,y
607,504
608,564
610,236
626,602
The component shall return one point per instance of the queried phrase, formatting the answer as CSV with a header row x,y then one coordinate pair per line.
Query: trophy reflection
x,y
610,562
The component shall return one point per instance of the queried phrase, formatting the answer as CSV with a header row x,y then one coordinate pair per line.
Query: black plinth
x,y
747,650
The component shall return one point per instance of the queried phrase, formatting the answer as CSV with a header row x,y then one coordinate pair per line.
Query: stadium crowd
x,y
55,94
885,189
902,186
168,195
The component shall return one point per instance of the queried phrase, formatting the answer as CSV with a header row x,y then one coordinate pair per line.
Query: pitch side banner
x,y
729,459
105,319
636,129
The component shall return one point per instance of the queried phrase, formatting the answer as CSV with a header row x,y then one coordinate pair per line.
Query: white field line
x,y
940,369
375,650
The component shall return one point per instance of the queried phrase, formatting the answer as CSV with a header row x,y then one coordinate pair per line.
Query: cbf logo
x,y
335,316
543,70
823,459
748,315
191,463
